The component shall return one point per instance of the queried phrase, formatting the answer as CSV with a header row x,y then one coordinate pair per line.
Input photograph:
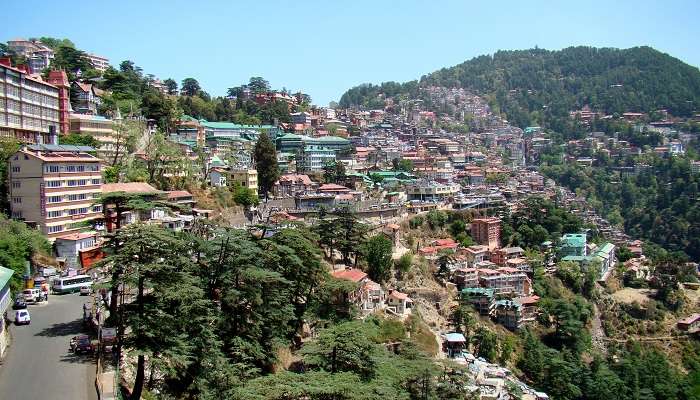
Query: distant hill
x,y
535,84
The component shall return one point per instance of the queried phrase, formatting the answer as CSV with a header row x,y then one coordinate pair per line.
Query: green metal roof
x,y
606,248
5,275
576,258
574,239
479,290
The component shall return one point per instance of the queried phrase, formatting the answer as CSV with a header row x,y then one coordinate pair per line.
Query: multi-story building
x,y
573,244
505,281
431,191
98,62
98,127
38,55
487,231
54,187
247,178
29,107
87,98
502,255
60,80
314,158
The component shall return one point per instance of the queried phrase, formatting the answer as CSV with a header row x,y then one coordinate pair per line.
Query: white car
x,y
85,290
31,295
22,317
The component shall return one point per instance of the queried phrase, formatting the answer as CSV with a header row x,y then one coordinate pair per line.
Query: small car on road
x,y
82,344
31,295
22,317
85,290
19,304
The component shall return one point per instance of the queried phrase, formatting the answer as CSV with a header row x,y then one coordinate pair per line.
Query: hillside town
x,y
442,177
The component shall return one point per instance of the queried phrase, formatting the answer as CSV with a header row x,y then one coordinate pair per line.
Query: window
x,y
80,168
15,168
70,168
52,168
97,209
55,214
17,200
17,214
72,182
54,199
53,184
16,184
54,229
82,182
96,181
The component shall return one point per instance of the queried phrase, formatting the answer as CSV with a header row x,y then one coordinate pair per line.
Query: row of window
x,y
71,168
72,197
59,228
73,211
69,183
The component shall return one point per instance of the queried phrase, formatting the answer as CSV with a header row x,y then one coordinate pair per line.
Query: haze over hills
x,y
535,85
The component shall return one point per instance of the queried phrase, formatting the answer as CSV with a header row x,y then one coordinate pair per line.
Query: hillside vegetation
x,y
536,85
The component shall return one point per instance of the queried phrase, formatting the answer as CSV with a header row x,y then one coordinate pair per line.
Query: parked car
x,y
31,295
22,317
19,304
85,290
83,345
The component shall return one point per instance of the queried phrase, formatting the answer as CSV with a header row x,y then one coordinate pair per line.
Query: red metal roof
x,y
350,274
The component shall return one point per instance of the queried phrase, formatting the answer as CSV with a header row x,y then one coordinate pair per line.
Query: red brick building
x,y
487,231
60,80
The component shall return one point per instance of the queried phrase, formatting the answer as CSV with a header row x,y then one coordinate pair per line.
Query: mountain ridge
x,y
550,83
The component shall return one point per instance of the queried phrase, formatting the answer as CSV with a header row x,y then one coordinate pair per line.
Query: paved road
x,y
39,364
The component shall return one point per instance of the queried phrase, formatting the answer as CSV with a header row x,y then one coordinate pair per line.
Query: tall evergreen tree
x,y
266,164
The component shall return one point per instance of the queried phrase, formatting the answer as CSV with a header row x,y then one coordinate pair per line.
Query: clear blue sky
x,y
326,47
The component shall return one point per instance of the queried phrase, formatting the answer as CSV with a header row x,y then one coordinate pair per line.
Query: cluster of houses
x,y
369,296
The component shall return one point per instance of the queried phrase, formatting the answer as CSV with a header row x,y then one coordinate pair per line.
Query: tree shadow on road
x,y
78,358
63,329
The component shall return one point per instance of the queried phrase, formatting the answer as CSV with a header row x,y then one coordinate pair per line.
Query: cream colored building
x,y
98,62
247,178
98,127
55,188
29,108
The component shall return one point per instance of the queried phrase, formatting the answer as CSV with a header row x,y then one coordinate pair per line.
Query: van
x,y
31,295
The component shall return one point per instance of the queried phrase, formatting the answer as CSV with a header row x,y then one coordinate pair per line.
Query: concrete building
x,y
98,62
431,191
98,127
314,158
78,249
38,55
247,178
573,244
29,107
487,231
55,187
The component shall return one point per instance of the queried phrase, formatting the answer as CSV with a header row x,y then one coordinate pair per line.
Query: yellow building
x,y
54,188
247,178
98,127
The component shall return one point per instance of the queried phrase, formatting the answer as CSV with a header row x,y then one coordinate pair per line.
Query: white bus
x,y
69,284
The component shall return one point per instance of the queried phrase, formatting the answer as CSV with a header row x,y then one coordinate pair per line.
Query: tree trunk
x,y
140,367
140,375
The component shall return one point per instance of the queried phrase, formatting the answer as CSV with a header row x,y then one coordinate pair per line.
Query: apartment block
x,y
55,188
98,62
38,55
29,107
487,231
247,178
98,127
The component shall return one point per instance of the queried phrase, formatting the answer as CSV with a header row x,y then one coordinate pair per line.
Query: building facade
x,y
29,107
38,55
247,178
487,231
98,62
98,127
55,188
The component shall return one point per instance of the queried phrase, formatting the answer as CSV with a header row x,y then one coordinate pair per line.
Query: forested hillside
x,y
536,85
